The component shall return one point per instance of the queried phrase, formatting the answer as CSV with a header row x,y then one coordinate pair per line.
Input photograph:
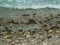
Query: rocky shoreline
x,y
30,29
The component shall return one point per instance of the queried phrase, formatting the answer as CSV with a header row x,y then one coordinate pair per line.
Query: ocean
x,y
23,4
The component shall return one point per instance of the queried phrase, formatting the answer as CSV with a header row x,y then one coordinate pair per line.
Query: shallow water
x,y
16,15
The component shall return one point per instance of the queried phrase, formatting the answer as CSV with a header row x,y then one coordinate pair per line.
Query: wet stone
x,y
40,22
20,30
34,14
3,31
25,15
50,31
49,37
58,14
12,44
33,32
1,35
2,40
31,21
1,19
58,22
45,25
16,22
8,37
54,27
6,28
46,30
10,21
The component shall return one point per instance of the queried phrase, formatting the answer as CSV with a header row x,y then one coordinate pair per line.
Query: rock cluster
x,y
34,31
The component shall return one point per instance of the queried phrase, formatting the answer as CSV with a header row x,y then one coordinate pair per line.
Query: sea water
x,y
22,4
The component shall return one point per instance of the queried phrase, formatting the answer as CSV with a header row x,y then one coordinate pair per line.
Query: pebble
x,y
31,21
45,25
25,15
49,37
50,31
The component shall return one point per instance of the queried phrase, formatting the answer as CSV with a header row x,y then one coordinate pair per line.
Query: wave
x,y
34,4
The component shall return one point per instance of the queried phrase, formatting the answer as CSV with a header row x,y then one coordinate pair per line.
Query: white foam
x,y
32,6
